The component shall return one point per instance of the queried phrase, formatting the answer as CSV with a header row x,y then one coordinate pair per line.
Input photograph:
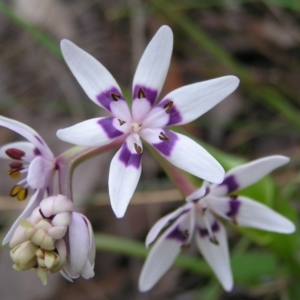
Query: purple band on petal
x,y
105,98
37,151
128,158
204,232
178,235
151,94
234,206
166,146
39,139
108,127
230,183
174,114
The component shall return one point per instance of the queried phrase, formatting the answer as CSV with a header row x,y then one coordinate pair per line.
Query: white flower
x,y
196,219
147,119
33,158
81,249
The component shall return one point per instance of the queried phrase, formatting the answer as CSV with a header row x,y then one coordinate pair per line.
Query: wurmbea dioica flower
x,y
33,158
147,119
55,239
197,219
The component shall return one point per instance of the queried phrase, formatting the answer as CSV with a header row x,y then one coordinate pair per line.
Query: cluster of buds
x,y
45,241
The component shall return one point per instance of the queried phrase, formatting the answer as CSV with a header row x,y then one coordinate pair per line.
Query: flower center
x,y
136,127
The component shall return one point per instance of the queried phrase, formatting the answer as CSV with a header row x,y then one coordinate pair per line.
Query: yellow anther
x,y
14,174
15,190
22,194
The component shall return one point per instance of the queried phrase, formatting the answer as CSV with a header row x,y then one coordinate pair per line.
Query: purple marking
x,y
178,235
234,206
174,114
39,139
105,98
230,183
108,127
204,232
166,147
36,151
128,158
151,94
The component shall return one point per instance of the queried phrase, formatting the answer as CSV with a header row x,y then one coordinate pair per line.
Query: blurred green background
x,y
258,41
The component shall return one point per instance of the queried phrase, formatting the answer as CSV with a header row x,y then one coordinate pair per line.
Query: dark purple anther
x,y
174,115
204,232
150,94
234,206
178,234
106,97
166,146
128,158
16,165
108,127
230,183
15,153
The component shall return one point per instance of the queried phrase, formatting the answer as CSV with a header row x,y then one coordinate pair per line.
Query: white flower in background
x,y
33,158
197,219
147,119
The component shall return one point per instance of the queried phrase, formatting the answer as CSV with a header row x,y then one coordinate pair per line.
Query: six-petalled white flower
x,y
33,158
197,219
147,119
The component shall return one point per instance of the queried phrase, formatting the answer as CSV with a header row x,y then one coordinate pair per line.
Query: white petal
x,y
154,64
216,255
192,101
198,194
185,154
93,77
87,271
78,245
26,147
250,213
34,201
247,174
93,132
164,221
39,173
124,174
164,252
28,133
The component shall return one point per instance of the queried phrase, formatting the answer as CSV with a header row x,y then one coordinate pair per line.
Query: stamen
x,y
15,190
168,106
186,233
141,93
22,194
16,165
234,221
14,174
214,240
15,153
138,148
121,122
115,96
163,137
185,246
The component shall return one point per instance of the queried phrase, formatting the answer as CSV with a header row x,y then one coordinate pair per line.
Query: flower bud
x,y
81,248
23,256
